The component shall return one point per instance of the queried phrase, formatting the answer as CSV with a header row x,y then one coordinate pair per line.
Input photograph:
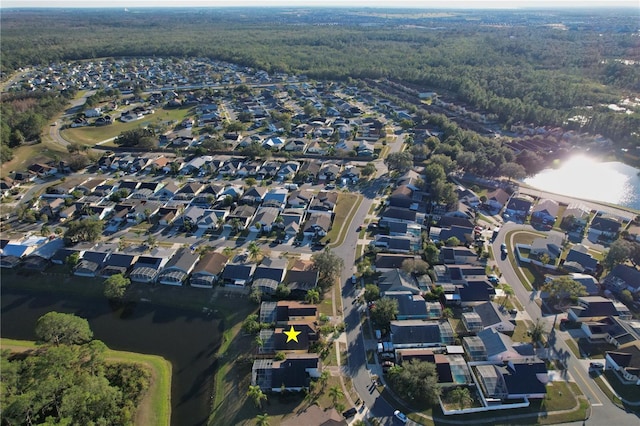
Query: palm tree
x,y
324,377
508,292
254,250
536,331
227,251
235,224
259,341
262,420
461,396
257,395
335,394
312,297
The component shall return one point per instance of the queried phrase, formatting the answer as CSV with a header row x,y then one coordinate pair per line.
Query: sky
x,y
450,4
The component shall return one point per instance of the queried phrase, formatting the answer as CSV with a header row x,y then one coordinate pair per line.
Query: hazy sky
x,y
476,4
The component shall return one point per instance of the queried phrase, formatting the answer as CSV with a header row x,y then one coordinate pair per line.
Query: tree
x,y
262,420
536,331
45,230
461,397
368,170
371,292
58,328
254,250
115,286
256,394
618,253
384,311
312,296
508,292
250,181
431,253
447,313
416,381
250,324
513,171
256,295
83,230
563,289
415,266
324,377
73,259
400,162
282,291
335,393
626,296
329,267
452,242
227,251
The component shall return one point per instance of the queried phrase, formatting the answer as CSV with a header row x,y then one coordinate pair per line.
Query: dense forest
x,y
533,67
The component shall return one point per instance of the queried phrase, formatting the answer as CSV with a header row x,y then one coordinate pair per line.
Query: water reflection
x,y
586,178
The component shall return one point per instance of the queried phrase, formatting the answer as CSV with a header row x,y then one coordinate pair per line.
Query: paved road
x,y
603,412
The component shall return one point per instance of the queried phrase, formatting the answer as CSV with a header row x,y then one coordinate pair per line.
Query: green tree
x,y
416,381
452,242
431,253
618,253
312,296
537,330
262,420
116,286
335,393
256,394
563,289
254,250
256,295
73,259
461,397
58,328
368,170
371,292
384,311
83,230
400,162
626,296
513,171
250,324
282,291
329,267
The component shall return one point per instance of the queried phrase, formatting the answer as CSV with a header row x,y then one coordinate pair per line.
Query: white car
x,y
400,416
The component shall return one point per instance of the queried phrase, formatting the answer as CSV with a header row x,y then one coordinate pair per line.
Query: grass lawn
x,y
91,135
346,205
607,391
155,407
26,155
326,305
520,333
628,392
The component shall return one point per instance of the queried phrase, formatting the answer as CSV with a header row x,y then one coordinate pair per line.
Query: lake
x,y
586,178
188,340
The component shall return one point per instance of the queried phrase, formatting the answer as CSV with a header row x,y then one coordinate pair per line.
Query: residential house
x,y
167,192
398,280
269,169
613,330
328,172
513,380
240,217
277,341
238,274
451,368
188,191
421,334
497,199
410,306
551,245
324,202
265,219
396,214
90,264
269,274
288,170
300,199
61,255
300,282
310,168
606,226
142,210
589,283
206,272
146,269
578,213
117,263
625,361
401,197
623,277
365,149
293,374
178,267
318,224
166,215
284,311
275,197
296,145
474,292
592,308
387,261
518,206
546,211
579,260
491,345
459,256
254,195
491,316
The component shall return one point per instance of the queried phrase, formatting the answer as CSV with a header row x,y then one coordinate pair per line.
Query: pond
x,y
188,340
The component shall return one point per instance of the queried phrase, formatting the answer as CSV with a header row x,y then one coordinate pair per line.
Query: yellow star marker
x,y
292,334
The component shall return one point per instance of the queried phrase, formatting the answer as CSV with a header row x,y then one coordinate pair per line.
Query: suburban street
x,y
603,411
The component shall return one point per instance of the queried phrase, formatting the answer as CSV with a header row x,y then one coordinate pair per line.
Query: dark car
x,y
350,413
596,366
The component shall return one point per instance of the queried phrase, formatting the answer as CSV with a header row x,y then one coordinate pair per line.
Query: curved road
x,y
603,411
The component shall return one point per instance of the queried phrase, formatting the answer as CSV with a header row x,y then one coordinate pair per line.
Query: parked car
x,y
400,416
596,366
513,311
354,279
372,226
349,413
503,249
493,279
